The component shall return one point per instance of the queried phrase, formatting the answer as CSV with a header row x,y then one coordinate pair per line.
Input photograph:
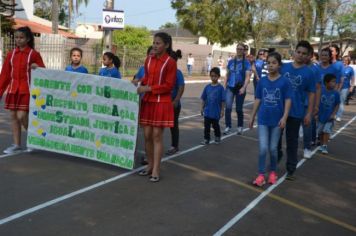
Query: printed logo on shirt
x,y
328,102
271,97
296,81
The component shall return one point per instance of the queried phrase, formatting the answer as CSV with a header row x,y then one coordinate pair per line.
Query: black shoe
x,y
144,161
217,140
290,177
205,142
154,179
144,172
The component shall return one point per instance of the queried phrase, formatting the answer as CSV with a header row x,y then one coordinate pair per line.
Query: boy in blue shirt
x,y
329,105
213,102
303,84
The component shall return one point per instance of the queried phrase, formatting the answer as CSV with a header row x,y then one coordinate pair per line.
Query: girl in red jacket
x,y
15,78
156,110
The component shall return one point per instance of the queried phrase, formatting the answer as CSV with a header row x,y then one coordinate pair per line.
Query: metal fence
x,y
55,51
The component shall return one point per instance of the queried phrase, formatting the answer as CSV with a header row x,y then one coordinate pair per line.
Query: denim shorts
x,y
325,127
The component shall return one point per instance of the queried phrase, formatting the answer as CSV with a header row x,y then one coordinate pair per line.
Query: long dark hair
x,y
29,35
115,59
177,55
167,39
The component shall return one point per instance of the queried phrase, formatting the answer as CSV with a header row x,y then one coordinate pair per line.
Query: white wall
x,y
27,5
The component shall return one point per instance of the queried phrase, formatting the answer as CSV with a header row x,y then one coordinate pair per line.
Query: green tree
x,y
221,21
66,8
132,37
169,25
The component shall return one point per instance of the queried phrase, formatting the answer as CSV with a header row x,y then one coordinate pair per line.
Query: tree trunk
x,y
55,14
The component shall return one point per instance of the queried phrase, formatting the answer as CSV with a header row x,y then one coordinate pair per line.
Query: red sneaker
x,y
259,181
272,178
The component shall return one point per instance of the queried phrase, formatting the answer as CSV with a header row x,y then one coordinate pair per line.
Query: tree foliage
x,y
66,9
169,25
132,37
223,21
228,21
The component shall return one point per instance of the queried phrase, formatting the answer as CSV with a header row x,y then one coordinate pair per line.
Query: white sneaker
x,y
338,119
307,153
13,149
239,130
325,150
227,130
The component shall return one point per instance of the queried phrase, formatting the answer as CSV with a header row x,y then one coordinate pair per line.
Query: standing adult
x,y
209,63
347,87
260,64
301,78
190,64
309,131
337,63
156,111
238,78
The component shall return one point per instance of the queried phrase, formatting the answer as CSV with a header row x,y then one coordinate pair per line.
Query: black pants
x,y
175,128
292,135
207,123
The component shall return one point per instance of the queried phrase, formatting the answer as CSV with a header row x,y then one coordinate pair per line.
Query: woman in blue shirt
x,y
347,86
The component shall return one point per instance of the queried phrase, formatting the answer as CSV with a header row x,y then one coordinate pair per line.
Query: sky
x,y
149,13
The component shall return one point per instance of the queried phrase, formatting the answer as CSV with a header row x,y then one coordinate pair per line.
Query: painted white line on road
x,y
257,200
14,154
188,117
96,185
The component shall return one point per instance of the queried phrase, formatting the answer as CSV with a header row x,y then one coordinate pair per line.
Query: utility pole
x,y
109,5
55,13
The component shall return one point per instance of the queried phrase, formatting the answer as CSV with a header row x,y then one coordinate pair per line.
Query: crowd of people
x,y
306,93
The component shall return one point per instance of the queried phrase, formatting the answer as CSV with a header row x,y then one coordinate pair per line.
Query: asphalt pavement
x,y
204,190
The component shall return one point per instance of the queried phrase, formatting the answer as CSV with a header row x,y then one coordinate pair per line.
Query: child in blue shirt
x,y
329,105
273,101
213,102
112,64
76,55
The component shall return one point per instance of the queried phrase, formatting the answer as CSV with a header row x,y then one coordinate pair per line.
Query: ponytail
x,y
115,59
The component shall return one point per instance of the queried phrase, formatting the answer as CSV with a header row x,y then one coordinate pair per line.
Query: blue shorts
x,y
326,127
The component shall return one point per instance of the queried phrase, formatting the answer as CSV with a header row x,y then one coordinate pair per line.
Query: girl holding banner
x,y
15,78
156,111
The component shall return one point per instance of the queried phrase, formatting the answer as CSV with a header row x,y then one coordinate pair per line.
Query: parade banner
x,y
83,115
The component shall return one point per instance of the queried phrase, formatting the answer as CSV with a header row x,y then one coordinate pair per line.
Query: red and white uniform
x,y
156,107
15,77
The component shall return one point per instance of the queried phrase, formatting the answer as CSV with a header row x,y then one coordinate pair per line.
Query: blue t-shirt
x,y
213,97
110,72
317,80
348,74
302,82
272,95
331,69
179,82
140,73
236,72
259,64
329,99
80,69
